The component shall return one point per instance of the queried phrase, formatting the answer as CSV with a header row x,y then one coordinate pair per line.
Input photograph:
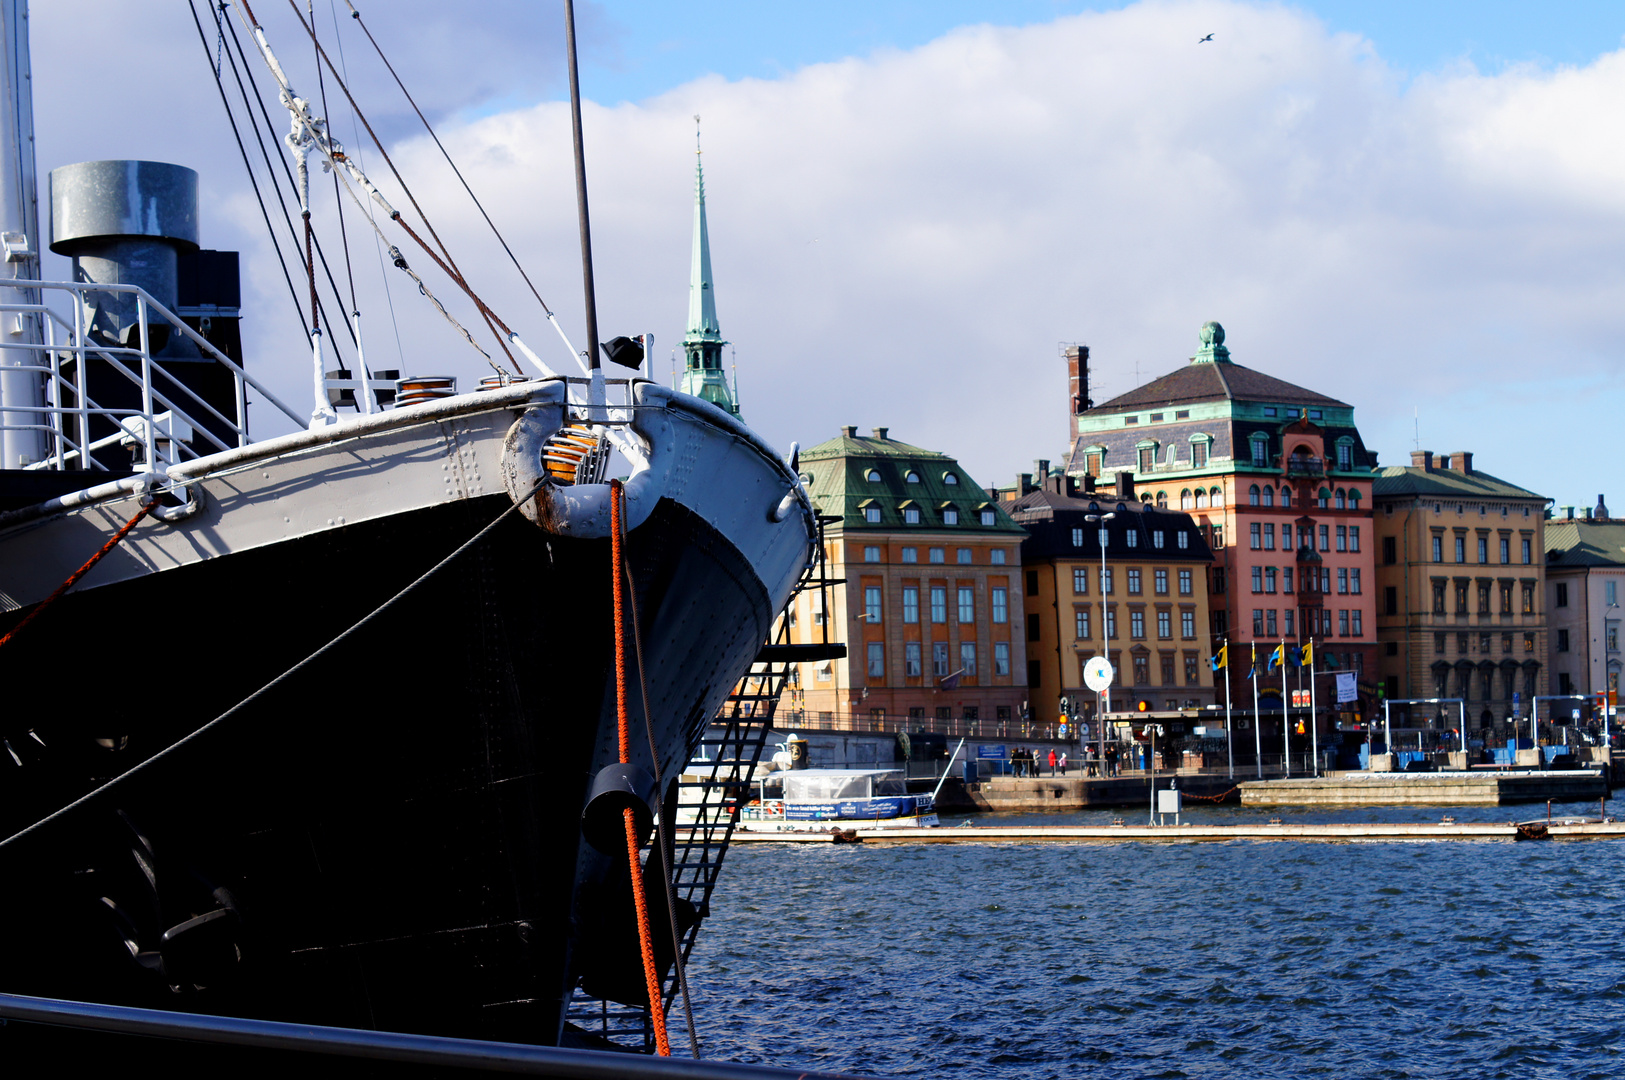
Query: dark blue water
x,y
1246,960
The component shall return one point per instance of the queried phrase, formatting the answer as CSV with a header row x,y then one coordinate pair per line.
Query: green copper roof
x,y
703,376
1579,542
849,475
1398,480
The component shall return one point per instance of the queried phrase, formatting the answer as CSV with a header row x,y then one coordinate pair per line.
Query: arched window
x,y
1253,496
1324,499
1269,494
1185,500
911,477
1162,500
1216,497
1342,499
950,479
1354,499
1286,495
1145,497
1201,499
807,478
873,476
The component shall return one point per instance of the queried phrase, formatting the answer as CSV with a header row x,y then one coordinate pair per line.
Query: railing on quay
x,y
165,424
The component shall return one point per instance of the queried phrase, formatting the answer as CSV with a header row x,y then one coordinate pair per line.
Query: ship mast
x,y
22,385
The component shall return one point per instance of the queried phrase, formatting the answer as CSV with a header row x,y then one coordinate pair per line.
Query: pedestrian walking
x,y
1052,761
1063,762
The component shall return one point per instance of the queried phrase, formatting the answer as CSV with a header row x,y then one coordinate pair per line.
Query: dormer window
x,y
950,516
873,476
1345,453
911,477
1315,414
950,479
911,515
1261,448
871,514
989,517
1271,410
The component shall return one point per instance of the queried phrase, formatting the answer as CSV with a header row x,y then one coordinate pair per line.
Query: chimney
x,y
1568,512
1024,483
1069,486
1422,459
1125,485
1464,461
850,432
1585,512
1055,485
1041,469
880,432
1077,375
1088,484
1601,512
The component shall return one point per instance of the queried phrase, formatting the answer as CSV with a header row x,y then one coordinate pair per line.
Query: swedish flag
x,y
1275,657
1222,660
1294,656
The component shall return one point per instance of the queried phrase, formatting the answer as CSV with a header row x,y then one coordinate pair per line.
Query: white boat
x,y
821,799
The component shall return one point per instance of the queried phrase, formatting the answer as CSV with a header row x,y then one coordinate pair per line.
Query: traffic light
x,y
1145,706
1066,705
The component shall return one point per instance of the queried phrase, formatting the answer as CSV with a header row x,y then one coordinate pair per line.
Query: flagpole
x,y
1313,713
1258,738
1229,731
1286,714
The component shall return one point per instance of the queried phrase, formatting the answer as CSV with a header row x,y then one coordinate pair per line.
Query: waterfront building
x,y
1278,481
1585,588
702,342
1461,587
1145,608
930,600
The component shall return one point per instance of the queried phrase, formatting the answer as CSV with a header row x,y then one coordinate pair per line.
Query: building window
x,y
939,604
1186,583
1562,594
1261,450
1286,579
1610,590
1131,538
1162,496
1483,549
1134,581
1001,658
1269,536
1111,622
911,515
1198,455
989,517
1255,536
1269,622
1356,615
1080,624
950,479
1253,497
1526,548
1354,580
1258,579
1105,581
1342,580
911,659
911,477
911,555
1342,538
1506,598
967,658
911,603
877,660
1529,647
1438,548
1461,549
1185,502
1160,580
1218,581
1077,538
1218,537
1080,581
1167,666
995,557
1187,624
1562,640
871,603
1354,538
1345,456
967,605
1325,538
1001,604
1269,579
1438,598
1269,495
1035,628
1506,546
939,659
1389,551
1461,598
1343,623
873,476
1286,623
1165,625
1193,676
871,554
963,555
871,514
1258,622
1148,458
1528,598
1156,538
950,516
1136,624
937,555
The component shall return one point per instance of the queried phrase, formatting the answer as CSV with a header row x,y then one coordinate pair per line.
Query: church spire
x,y
702,344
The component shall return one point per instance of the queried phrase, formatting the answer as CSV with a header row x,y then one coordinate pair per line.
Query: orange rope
x,y
73,578
651,976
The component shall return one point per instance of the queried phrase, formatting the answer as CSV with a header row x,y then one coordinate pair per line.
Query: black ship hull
x,y
390,838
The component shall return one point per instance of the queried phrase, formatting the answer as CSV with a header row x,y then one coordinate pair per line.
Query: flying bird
x,y
1208,38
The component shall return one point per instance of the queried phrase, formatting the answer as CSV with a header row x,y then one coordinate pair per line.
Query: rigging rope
x,y
448,264
279,680
73,578
356,15
623,729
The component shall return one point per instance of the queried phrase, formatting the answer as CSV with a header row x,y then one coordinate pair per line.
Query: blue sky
x,y
645,47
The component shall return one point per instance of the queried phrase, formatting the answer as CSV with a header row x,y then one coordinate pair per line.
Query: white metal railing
x,y
166,428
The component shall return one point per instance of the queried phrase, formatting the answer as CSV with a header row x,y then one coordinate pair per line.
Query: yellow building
x,y
1461,595
1145,610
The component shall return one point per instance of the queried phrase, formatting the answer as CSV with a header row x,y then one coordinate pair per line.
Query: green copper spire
x,y
702,344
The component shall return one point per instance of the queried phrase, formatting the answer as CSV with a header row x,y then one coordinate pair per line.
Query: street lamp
x,y
1105,697
1606,709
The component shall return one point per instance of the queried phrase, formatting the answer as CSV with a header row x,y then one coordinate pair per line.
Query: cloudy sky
x,y
913,203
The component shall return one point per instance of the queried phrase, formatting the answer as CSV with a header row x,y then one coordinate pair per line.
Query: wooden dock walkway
x,y
1557,829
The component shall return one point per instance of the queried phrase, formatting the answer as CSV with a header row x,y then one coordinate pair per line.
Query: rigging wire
x,y
250,100
243,150
338,199
447,265
356,15
377,242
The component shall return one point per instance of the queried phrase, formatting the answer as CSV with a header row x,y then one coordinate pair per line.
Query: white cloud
x,y
903,239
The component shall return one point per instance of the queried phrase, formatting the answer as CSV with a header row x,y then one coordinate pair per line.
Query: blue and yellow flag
x,y
1309,654
1222,660
1275,657
1252,671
